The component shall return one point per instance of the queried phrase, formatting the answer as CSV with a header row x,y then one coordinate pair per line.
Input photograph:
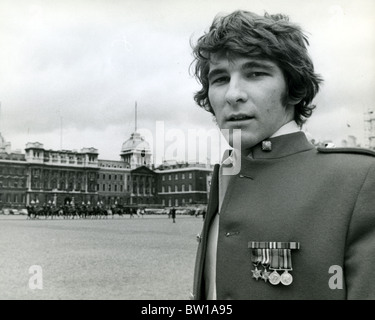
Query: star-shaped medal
x,y
256,273
265,275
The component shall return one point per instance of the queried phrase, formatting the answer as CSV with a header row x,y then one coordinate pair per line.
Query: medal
x,y
286,277
256,273
266,275
255,259
274,278
275,256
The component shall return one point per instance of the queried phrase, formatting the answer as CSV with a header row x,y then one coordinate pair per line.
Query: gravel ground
x,y
141,258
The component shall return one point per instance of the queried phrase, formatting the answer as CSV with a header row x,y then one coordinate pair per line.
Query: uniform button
x,y
230,234
199,238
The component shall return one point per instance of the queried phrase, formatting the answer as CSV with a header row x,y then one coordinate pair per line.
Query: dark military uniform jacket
x,y
322,198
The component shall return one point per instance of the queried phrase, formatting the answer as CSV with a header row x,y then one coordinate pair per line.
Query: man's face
x,y
246,93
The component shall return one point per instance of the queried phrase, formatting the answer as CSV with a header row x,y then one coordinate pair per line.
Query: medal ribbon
x,y
273,245
290,259
265,257
274,259
256,256
285,259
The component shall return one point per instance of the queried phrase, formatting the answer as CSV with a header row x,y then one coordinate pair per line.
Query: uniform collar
x,y
287,128
281,146
286,144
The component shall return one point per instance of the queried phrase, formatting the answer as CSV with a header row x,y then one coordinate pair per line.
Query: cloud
x,y
83,64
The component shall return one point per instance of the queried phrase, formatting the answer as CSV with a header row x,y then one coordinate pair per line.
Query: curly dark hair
x,y
270,37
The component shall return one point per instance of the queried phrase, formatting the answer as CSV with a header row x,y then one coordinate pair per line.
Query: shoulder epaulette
x,y
347,150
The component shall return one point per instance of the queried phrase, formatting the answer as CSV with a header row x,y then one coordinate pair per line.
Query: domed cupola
x,y
136,151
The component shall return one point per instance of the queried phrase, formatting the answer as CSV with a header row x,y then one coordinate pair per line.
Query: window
x,y
162,189
183,176
190,187
169,189
163,177
183,188
103,187
176,202
176,177
170,177
190,175
163,202
175,188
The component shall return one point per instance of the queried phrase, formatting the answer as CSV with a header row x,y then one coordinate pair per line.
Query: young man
x,y
293,222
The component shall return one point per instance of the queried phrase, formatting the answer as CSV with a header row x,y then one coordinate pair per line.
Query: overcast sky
x,y
80,66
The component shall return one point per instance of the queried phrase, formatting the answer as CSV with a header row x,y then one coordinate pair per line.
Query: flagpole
x,y
136,118
61,132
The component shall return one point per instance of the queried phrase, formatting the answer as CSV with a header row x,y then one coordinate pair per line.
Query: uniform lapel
x,y
213,205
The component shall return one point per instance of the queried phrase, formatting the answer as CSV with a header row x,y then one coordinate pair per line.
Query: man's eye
x,y
219,80
256,74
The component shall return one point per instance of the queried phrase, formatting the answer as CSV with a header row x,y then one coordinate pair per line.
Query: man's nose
x,y
236,92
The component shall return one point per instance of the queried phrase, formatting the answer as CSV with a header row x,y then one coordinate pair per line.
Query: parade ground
x,y
140,258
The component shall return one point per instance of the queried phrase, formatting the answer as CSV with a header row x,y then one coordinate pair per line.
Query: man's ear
x,y
292,101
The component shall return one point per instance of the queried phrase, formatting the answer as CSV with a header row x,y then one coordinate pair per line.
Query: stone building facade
x,y
45,176
183,184
61,176
13,180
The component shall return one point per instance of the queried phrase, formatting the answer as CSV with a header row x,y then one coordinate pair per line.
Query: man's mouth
x,y
239,117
